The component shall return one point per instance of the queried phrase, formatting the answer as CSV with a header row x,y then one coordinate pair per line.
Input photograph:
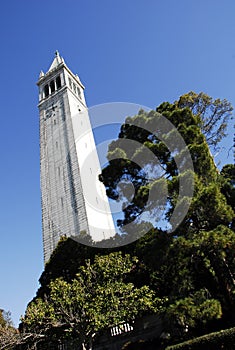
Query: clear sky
x,y
140,51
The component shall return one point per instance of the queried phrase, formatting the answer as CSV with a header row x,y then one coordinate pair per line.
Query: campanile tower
x,y
73,200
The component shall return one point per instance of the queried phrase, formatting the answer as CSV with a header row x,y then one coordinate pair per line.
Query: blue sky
x,y
140,51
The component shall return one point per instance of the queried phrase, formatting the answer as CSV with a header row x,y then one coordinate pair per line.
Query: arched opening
x,y
46,90
58,82
52,86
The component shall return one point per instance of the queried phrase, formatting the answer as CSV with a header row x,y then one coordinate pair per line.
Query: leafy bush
x,y
224,339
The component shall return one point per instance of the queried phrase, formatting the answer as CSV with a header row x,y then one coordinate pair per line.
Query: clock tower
x,y
73,200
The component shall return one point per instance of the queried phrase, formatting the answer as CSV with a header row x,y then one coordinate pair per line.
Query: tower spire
x,y
57,60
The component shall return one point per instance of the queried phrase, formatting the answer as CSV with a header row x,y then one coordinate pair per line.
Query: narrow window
x,y
79,92
46,90
74,88
58,82
70,83
52,86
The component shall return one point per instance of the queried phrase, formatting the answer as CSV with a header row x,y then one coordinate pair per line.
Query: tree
x,y
214,114
8,334
200,265
194,311
191,266
2,320
228,183
97,299
165,175
5,319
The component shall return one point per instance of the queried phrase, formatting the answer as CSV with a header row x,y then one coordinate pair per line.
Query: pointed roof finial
x,y
57,60
41,74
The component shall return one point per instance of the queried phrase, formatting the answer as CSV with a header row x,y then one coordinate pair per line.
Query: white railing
x,y
120,329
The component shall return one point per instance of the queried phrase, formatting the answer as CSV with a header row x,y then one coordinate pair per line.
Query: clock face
x,y
50,111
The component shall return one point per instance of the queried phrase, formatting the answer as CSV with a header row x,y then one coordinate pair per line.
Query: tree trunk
x,y
90,345
87,346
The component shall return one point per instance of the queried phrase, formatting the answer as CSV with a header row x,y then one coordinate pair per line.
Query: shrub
x,y
224,339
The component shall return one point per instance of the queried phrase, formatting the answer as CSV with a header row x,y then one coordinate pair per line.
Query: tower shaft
x,y
72,198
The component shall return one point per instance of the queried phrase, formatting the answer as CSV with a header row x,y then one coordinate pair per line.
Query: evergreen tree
x,y
193,266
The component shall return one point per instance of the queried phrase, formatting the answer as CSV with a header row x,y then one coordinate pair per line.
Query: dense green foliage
x,y
96,299
166,171
193,267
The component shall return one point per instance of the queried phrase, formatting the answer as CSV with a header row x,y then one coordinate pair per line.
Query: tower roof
x,y
57,60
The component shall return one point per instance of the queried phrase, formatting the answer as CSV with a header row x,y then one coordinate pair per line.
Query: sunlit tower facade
x,y
73,200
